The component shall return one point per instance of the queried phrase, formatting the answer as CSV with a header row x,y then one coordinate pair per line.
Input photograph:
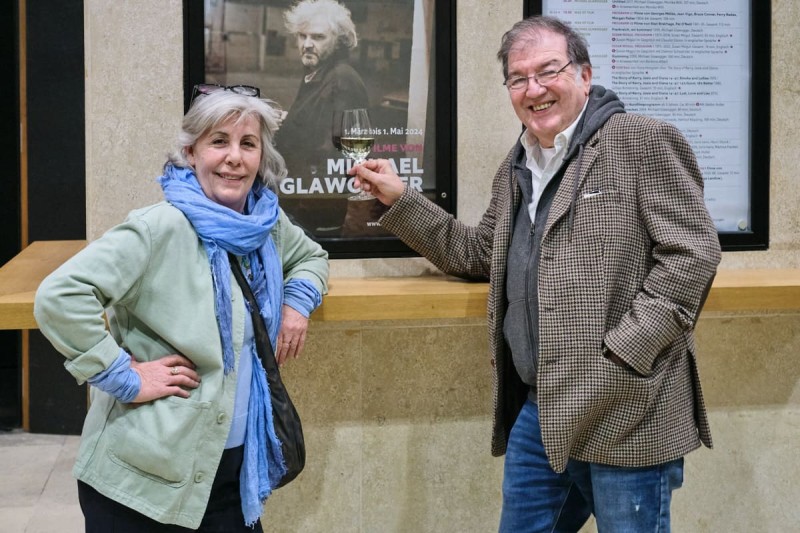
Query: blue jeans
x,y
538,499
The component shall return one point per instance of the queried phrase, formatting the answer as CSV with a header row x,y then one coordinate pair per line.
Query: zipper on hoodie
x,y
528,314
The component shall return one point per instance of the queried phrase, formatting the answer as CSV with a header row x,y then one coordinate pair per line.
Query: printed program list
x,y
686,62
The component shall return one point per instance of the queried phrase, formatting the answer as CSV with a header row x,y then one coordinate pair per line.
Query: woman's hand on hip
x,y
292,335
171,375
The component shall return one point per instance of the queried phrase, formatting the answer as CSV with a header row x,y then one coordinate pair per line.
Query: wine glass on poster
x,y
357,138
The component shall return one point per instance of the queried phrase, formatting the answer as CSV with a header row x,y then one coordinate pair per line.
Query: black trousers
x,y
223,514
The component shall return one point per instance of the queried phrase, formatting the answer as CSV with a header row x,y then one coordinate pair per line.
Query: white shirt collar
x,y
542,171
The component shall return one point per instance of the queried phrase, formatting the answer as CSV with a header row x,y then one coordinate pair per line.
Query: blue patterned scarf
x,y
223,230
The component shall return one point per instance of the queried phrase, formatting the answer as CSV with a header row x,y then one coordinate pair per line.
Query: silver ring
x,y
175,371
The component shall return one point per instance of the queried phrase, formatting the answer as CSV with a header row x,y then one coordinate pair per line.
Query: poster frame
x,y
444,85
757,236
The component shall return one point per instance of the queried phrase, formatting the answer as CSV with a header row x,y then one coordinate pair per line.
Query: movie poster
x,y
315,58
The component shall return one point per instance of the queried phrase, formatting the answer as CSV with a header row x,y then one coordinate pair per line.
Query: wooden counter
x,y
755,290
20,277
428,297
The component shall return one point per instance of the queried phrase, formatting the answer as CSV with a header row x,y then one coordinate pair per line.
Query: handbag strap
x,y
263,344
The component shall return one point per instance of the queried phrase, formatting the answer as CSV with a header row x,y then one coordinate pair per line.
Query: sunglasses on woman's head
x,y
208,88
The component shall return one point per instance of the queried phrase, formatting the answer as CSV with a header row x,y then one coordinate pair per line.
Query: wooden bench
x,y
427,297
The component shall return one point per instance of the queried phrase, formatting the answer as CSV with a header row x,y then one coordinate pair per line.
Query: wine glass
x,y
356,140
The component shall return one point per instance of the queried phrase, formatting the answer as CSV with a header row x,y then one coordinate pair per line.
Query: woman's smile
x,y
226,161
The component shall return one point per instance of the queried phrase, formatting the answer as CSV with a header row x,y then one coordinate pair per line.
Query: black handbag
x,y
285,418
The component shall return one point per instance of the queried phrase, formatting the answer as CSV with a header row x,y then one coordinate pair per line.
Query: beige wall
x,y
397,415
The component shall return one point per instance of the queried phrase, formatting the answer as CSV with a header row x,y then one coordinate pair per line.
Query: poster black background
x,y
444,193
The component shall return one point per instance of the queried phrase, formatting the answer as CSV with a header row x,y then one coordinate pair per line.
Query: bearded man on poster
x,y
325,34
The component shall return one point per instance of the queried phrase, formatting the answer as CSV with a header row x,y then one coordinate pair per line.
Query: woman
x,y
176,396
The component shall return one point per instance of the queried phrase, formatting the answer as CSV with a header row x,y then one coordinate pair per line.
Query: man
x,y
324,34
599,251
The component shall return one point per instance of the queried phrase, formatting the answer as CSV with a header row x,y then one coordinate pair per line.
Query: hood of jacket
x,y
602,104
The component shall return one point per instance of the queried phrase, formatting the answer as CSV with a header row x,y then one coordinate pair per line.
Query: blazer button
x,y
199,477
220,418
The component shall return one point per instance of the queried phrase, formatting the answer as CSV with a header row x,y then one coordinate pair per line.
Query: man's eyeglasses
x,y
208,88
544,79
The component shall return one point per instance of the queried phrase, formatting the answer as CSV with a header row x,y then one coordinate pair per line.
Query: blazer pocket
x,y
596,210
621,399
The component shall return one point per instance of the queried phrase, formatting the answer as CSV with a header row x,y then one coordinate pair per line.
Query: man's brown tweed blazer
x,y
629,272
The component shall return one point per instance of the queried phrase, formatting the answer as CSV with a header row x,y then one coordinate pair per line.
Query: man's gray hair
x,y
336,14
527,30
211,110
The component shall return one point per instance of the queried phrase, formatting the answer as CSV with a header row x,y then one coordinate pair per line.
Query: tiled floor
x,y
37,491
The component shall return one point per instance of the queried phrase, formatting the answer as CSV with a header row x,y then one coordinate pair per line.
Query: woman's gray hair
x,y
335,13
210,110
527,30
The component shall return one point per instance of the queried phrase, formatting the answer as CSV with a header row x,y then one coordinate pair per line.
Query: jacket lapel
x,y
564,196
